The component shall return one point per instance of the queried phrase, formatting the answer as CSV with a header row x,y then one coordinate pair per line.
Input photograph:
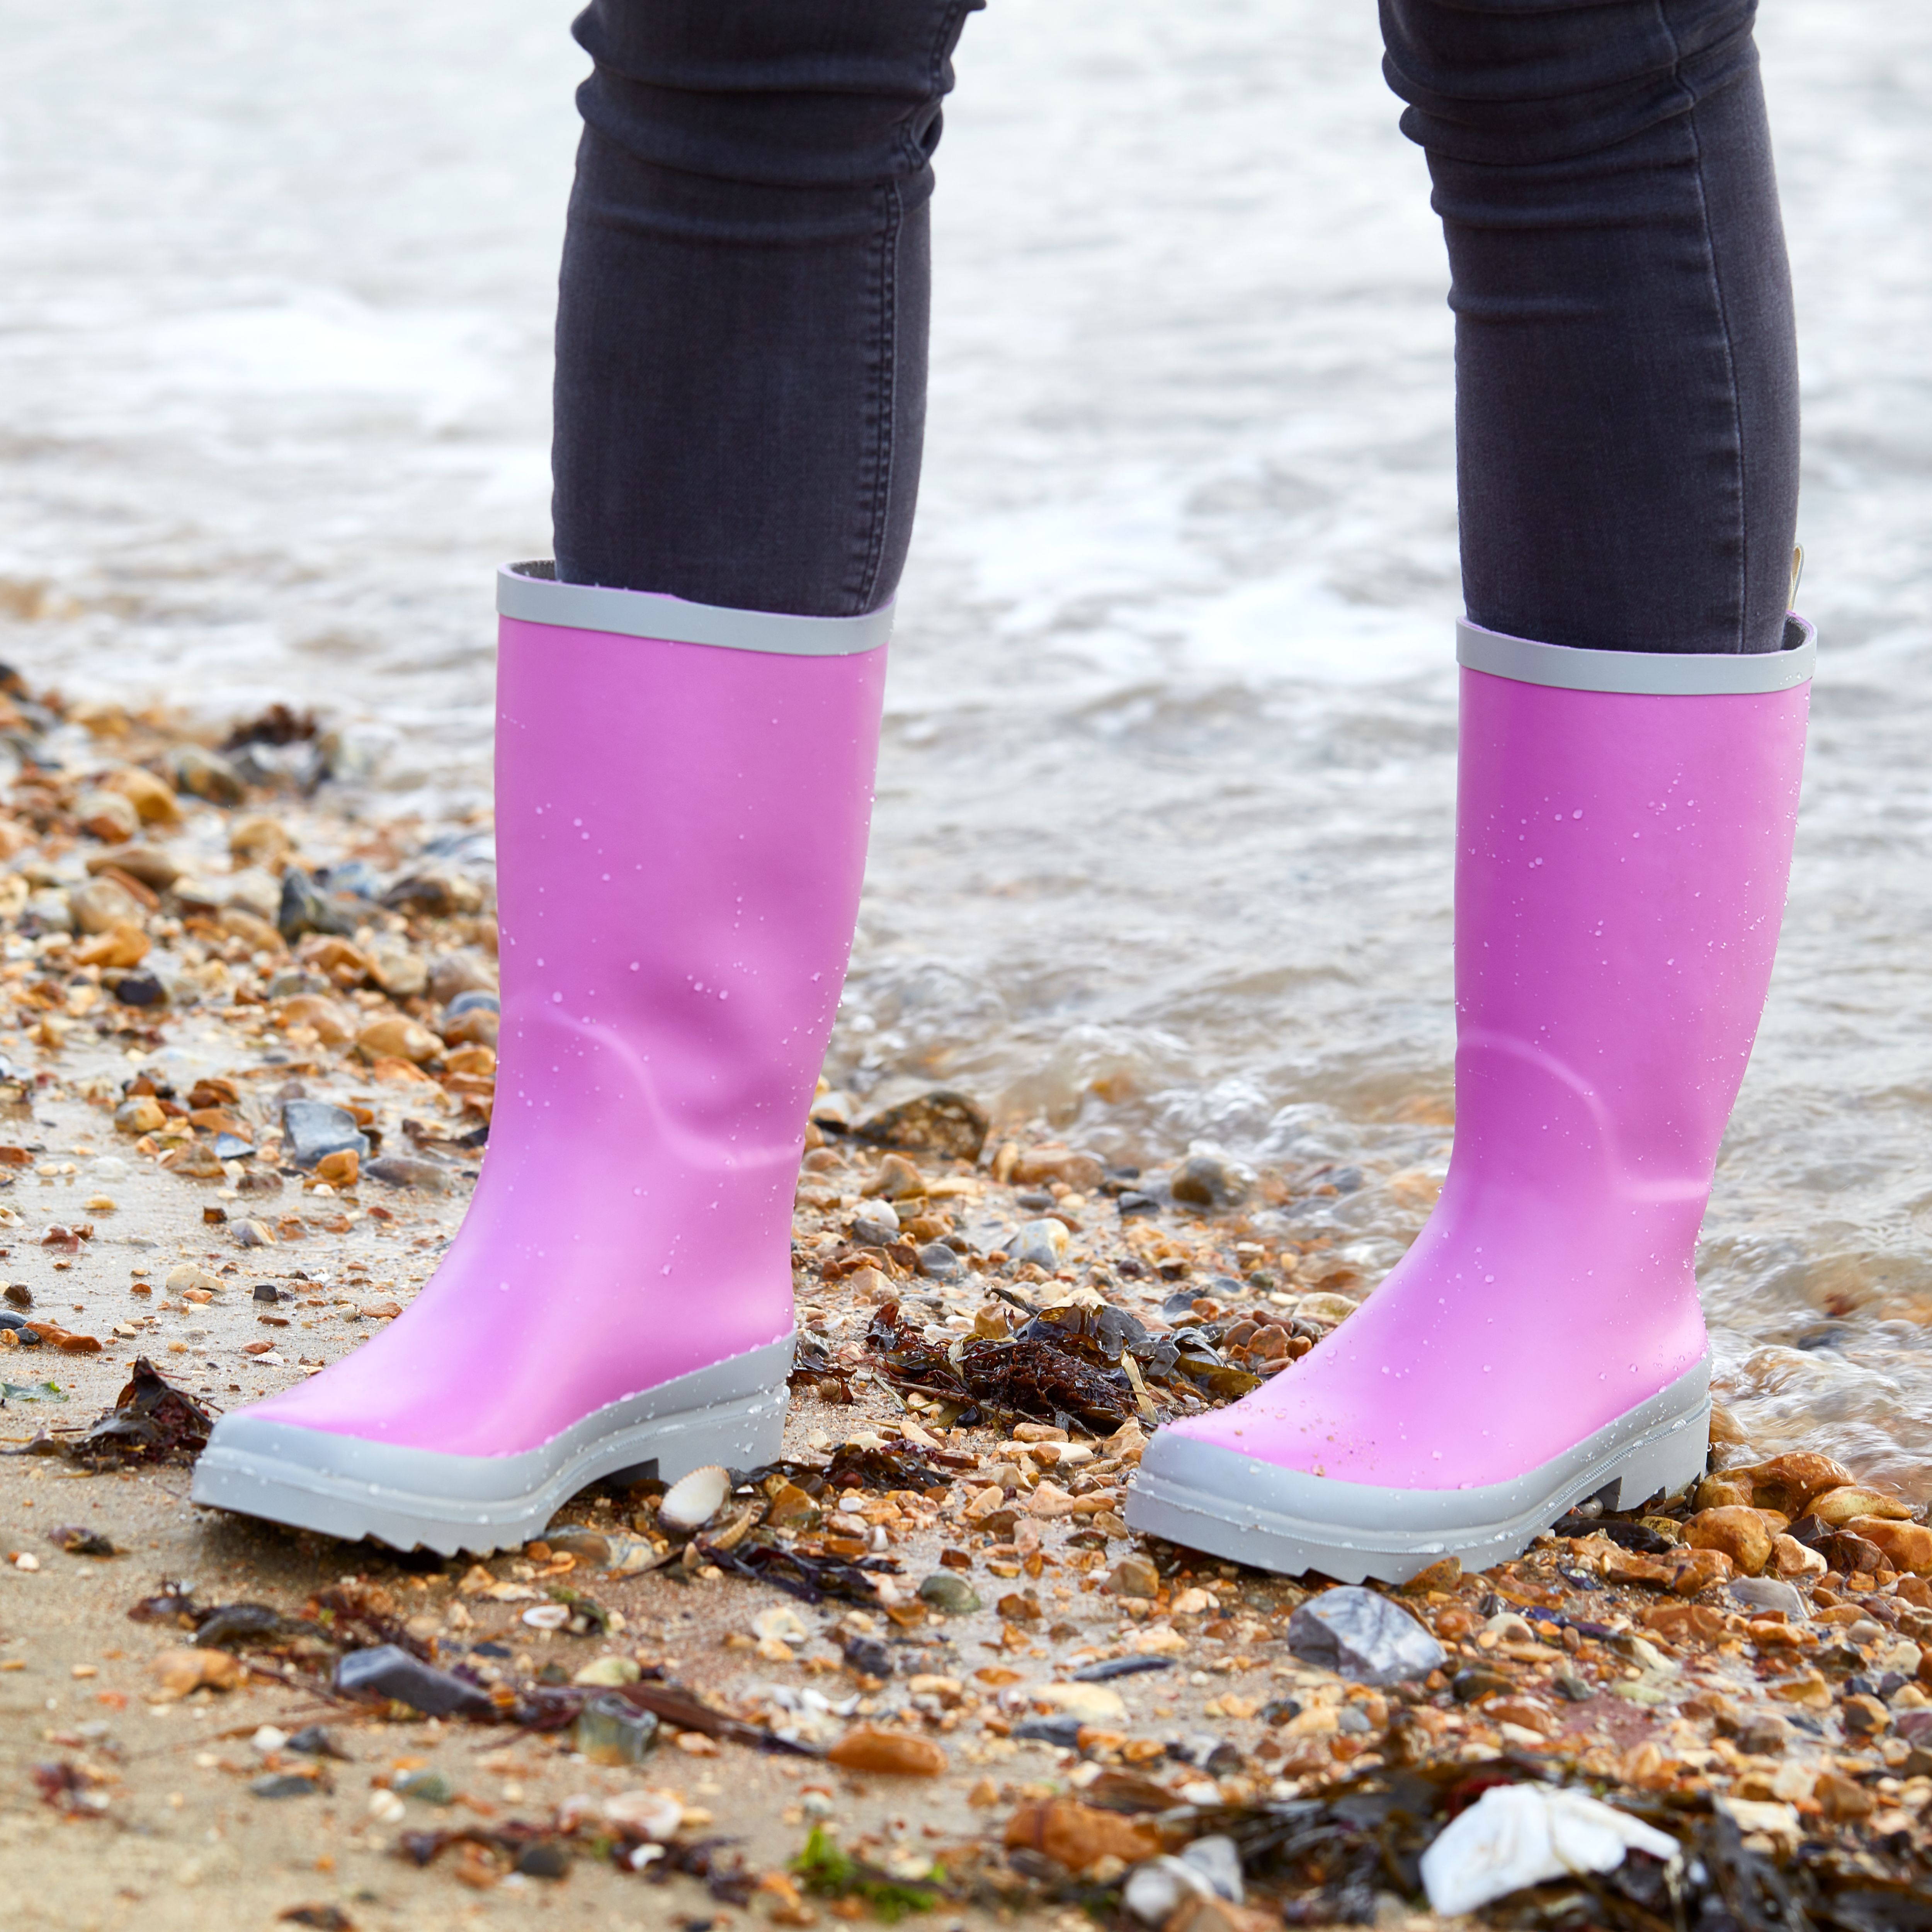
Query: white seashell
x,y
548,1616
692,1501
781,1621
651,1814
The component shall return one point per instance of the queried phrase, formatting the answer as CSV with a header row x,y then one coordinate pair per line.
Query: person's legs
x,y
688,722
1633,704
1626,364
741,334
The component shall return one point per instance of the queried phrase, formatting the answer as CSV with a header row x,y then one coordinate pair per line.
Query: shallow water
x,y
1162,845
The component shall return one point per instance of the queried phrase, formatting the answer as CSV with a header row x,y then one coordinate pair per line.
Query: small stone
x,y
1044,1243
20,1295
401,972
154,867
1091,1703
1905,1546
141,989
693,1500
937,1262
791,1507
897,1180
1359,1634
1078,1836
183,1669
426,1787
303,908
1218,1859
875,1225
1741,1534
1443,1574
143,1115
107,816
1843,1800
101,905
948,1124
1766,1593
204,774
867,1656
1133,1577
1080,1172
873,1747
1156,1890
412,1171
330,1025
283,1784
123,945
340,1169
452,975
387,1671
1790,1558
1837,1507
312,1128
154,803
1764,1735
1786,1484
394,1037
1209,1180
950,1595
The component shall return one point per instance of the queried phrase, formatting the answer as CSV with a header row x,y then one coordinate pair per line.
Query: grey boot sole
x,y
732,1413
1251,1512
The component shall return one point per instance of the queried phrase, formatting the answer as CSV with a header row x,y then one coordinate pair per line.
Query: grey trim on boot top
x,y
1250,1511
732,1413
1652,673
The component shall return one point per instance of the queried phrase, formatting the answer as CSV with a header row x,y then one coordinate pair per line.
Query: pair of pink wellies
x,y
682,798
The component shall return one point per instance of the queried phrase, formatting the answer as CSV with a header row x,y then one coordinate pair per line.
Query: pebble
x,y
1766,1593
102,904
875,1225
1044,1243
394,1037
1133,1577
206,774
408,1170
873,1747
303,909
1359,1634
312,1128
950,1125
1156,1890
1210,1180
1091,1703
140,989
950,1595
1218,1860
386,1670
1734,1530
938,1262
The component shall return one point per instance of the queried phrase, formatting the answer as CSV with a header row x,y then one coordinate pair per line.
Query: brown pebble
x,y
1737,1532
872,1748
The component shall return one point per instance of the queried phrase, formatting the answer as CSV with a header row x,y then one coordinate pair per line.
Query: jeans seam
x,y
884,398
1730,354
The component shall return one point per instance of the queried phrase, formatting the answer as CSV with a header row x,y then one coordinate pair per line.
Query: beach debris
x,y
695,1500
152,1421
388,1672
1515,1836
1363,1635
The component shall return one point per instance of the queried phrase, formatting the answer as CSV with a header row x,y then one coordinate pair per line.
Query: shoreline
x,y
238,934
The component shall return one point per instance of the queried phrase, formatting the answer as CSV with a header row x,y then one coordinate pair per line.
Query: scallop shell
x,y
692,1501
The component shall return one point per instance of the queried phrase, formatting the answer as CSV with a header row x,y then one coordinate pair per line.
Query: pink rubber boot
x,y
682,798
1624,833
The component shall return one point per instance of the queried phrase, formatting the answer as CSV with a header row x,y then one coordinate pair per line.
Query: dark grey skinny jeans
x,y
742,331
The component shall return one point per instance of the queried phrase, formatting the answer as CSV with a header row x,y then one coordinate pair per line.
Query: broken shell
x,y
548,1616
692,1501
